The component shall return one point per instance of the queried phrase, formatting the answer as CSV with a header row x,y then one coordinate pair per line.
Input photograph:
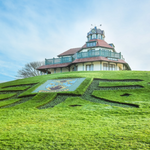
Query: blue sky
x,y
32,30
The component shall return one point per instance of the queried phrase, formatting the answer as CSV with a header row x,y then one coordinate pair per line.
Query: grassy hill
x,y
109,110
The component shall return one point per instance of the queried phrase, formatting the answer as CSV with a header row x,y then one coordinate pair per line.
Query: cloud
x,y
8,75
35,30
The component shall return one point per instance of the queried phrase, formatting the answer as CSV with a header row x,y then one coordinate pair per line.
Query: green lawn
x,y
14,88
77,120
5,96
7,102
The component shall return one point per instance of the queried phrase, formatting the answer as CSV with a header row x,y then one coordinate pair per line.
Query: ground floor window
x,y
75,68
108,67
105,66
89,67
111,67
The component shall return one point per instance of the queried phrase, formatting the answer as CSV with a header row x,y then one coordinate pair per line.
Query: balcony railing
x,y
58,60
95,53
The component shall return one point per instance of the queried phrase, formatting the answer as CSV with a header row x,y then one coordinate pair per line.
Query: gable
x,y
71,51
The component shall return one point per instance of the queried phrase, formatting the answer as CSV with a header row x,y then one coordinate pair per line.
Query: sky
x,y
32,30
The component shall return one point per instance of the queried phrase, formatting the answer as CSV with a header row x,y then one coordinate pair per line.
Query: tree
x,y
30,70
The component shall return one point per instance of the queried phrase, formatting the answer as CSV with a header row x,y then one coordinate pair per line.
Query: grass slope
x,y
14,88
37,101
93,124
5,96
5,103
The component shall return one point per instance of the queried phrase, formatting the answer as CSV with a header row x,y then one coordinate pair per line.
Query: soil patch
x,y
126,94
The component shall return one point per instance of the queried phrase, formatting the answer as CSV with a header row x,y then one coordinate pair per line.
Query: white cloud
x,y
8,75
32,31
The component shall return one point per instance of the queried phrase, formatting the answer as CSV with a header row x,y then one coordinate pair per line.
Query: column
x,y
83,66
92,66
123,66
108,65
116,66
100,65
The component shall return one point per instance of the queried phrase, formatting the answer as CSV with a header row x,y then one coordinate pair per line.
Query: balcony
x,y
96,53
93,53
58,60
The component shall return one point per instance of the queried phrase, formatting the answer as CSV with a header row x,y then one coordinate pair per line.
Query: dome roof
x,y
95,31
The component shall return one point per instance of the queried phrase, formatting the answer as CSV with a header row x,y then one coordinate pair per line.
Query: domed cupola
x,y
95,34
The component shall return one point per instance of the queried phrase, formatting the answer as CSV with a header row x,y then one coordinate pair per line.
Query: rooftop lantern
x,y
95,34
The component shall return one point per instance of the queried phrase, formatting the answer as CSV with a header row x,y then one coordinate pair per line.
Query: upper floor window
x,y
113,59
91,44
99,36
93,36
89,37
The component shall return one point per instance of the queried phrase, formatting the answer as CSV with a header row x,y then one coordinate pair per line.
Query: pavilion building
x,y
95,55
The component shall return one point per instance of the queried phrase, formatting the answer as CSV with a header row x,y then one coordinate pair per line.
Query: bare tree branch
x,y
30,70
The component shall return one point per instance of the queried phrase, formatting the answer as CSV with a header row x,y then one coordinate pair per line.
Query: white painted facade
x,y
97,66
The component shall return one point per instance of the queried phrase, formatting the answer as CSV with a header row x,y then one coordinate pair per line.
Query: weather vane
x,y
96,25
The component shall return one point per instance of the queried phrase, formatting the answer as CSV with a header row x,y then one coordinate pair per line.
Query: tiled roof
x,y
70,51
90,59
53,66
100,43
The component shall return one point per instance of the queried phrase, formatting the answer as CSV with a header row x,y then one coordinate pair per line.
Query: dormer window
x,y
91,44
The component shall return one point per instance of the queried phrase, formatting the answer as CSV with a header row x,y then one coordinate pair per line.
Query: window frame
x,y
105,68
93,36
91,66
